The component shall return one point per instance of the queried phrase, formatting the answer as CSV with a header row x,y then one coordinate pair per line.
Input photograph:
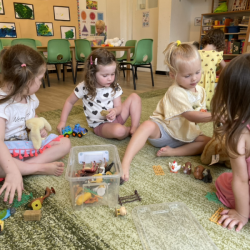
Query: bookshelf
x,y
241,35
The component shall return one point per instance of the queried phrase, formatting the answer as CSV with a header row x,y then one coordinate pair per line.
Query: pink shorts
x,y
98,129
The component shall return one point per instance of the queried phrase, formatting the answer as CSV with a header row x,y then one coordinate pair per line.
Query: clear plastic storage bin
x,y
96,189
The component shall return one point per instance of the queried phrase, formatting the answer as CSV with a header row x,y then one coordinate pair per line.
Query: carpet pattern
x,y
97,227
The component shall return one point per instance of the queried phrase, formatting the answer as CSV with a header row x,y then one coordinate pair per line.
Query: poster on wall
x,y
1,8
44,29
145,19
197,21
24,11
68,32
8,30
91,5
61,13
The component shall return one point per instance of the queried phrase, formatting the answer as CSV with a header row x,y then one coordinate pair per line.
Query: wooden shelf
x,y
241,13
231,54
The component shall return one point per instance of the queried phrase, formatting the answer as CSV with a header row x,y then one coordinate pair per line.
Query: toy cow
x,y
187,168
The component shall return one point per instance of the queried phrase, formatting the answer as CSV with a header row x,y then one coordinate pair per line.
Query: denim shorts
x,y
165,140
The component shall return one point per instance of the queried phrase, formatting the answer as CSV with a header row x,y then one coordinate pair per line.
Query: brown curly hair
x,y
215,37
104,57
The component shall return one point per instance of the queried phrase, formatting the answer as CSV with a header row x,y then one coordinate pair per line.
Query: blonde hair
x,y
100,24
177,52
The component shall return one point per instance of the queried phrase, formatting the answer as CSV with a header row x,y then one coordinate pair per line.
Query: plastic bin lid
x,y
170,226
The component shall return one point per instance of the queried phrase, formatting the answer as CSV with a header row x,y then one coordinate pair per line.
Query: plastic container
x,y
170,226
95,40
222,27
100,189
233,29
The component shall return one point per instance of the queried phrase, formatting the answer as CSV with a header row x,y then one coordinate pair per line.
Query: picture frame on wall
x,y
24,11
197,21
68,32
1,8
61,13
7,30
44,29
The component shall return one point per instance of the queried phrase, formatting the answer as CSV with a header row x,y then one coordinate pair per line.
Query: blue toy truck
x,y
79,131
67,131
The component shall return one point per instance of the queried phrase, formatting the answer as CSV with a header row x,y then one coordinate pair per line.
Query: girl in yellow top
x,y
173,124
213,44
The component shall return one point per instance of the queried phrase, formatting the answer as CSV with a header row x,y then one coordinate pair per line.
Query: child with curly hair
x,y
213,44
100,92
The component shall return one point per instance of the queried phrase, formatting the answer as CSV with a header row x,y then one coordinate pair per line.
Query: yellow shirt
x,y
176,101
210,59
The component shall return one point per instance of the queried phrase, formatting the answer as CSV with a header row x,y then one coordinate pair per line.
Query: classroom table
x,y
119,48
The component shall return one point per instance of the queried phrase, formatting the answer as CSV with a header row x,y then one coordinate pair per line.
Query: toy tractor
x,y
67,131
6,213
79,131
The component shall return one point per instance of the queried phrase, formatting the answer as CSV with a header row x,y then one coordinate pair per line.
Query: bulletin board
x,y
43,13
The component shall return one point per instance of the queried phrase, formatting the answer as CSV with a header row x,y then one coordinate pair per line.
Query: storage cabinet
x,y
237,34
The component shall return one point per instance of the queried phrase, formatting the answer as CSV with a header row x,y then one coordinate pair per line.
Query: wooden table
x,y
119,48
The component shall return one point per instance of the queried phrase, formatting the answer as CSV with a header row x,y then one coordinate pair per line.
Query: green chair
x,y
38,43
6,42
59,53
82,51
1,45
124,57
142,58
25,41
28,42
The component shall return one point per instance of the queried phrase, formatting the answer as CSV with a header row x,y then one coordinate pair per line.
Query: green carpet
x,y
98,228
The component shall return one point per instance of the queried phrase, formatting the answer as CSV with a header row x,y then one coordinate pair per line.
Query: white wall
x,y
198,7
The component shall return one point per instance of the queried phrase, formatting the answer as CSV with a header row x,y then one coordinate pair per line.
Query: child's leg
x,y
194,148
57,150
147,129
54,168
132,107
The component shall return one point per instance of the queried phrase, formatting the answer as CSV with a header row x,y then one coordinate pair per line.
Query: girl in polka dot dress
x,y
213,44
101,97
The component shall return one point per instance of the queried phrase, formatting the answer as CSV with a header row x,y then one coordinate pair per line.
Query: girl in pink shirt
x,y
231,103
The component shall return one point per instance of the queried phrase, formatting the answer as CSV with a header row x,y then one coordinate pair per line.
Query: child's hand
x,y
60,126
13,182
111,115
43,133
231,218
125,174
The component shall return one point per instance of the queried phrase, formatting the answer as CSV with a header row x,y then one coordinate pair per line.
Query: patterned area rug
x,y
98,228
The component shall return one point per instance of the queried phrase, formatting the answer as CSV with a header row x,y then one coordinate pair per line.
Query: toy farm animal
x,y
187,168
174,168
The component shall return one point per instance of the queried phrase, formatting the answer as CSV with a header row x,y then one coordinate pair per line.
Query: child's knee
x,y
120,131
135,97
66,144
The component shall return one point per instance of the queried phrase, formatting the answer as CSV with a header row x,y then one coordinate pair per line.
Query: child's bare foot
x,y
166,151
132,130
53,168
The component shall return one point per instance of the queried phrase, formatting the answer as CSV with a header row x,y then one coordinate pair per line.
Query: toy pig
x,y
187,168
207,177
198,172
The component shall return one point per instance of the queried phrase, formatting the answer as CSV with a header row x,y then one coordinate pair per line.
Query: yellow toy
x,y
1,226
35,125
215,152
122,211
80,199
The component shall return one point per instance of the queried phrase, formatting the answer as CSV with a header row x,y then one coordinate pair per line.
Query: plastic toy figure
x,y
174,168
187,168
87,171
6,213
36,204
67,131
203,174
79,131
122,211
1,227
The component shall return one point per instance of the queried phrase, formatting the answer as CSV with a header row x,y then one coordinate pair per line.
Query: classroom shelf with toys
x,y
235,25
